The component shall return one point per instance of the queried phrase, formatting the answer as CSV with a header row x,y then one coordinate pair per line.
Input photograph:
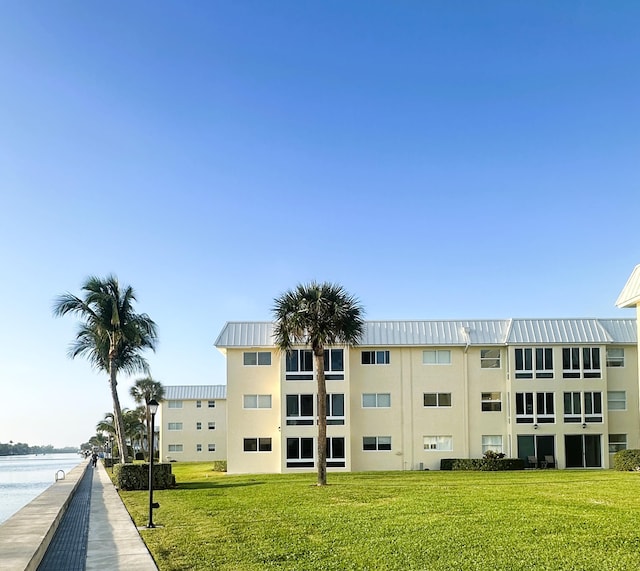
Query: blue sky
x,y
438,159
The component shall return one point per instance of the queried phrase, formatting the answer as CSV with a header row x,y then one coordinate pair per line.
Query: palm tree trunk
x,y
322,417
117,414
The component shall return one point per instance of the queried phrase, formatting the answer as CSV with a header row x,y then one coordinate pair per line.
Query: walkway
x,y
108,536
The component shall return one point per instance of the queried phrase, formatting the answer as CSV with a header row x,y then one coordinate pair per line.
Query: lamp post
x,y
153,408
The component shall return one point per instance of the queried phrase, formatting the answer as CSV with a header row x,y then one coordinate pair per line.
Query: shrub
x,y
626,460
219,466
139,456
136,476
108,462
493,464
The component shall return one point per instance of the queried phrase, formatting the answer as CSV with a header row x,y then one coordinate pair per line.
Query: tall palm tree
x,y
143,391
111,335
318,315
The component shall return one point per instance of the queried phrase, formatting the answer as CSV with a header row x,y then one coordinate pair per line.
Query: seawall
x,y
25,536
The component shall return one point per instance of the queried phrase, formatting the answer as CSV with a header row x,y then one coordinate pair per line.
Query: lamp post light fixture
x,y
153,408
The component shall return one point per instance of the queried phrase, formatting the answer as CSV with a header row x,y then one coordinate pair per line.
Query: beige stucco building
x,y
192,423
415,392
555,392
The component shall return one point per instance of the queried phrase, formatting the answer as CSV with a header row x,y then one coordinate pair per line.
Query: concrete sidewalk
x,y
114,542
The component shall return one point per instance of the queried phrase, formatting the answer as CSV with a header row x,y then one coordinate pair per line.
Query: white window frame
x,y
264,445
332,418
300,461
211,447
615,360
211,425
175,448
436,357
198,426
440,400
488,401
617,442
256,401
173,403
376,444
198,404
492,442
488,359
198,447
526,417
375,357
174,426
545,415
437,443
526,356
591,414
615,399
544,362
253,358
377,397
300,419
575,400
211,404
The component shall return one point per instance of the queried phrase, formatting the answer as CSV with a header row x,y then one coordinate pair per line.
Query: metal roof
x,y
472,332
195,392
630,294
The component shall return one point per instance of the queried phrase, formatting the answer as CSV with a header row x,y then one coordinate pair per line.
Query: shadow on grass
x,y
214,485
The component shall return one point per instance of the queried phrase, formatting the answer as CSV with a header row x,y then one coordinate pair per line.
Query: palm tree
x,y
111,335
318,315
143,391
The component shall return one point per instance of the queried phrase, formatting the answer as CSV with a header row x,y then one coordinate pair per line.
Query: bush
x,y
136,476
108,462
482,464
139,455
219,466
626,460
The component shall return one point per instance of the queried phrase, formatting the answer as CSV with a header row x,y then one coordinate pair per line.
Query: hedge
x,y
482,464
219,466
136,476
626,460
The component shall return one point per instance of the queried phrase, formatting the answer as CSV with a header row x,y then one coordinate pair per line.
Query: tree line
x,y
14,448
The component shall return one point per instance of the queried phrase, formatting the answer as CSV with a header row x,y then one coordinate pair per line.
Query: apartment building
x,y
415,392
192,423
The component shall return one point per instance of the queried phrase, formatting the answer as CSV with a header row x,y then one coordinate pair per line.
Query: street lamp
x,y
153,408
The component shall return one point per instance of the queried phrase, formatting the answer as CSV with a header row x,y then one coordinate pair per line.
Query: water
x,y
23,478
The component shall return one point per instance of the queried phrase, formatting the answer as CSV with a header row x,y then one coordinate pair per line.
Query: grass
x,y
551,519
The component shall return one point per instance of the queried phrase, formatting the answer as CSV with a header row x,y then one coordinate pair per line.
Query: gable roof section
x,y
195,392
473,332
630,294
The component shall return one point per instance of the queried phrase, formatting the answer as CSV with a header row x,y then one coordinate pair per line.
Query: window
x,y
335,409
335,452
174,404
544,363
489,358
257,445
198,426
572,407
432,443
437,399
257,401
252,358
300,410
615,357
524,408
175,426
577,364
616,400
299,452
175,447
211,404
211,447
376,400
617,442
491,402
544,408
436,357
212,426
299,365
492,442
198,447
378,443
374,357
592,407
333,360
524,363
198,404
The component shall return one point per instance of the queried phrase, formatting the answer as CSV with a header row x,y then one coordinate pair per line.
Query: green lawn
x,y
556,520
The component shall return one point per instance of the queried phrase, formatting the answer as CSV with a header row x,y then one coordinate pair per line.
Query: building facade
x,y
561,392
192,423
